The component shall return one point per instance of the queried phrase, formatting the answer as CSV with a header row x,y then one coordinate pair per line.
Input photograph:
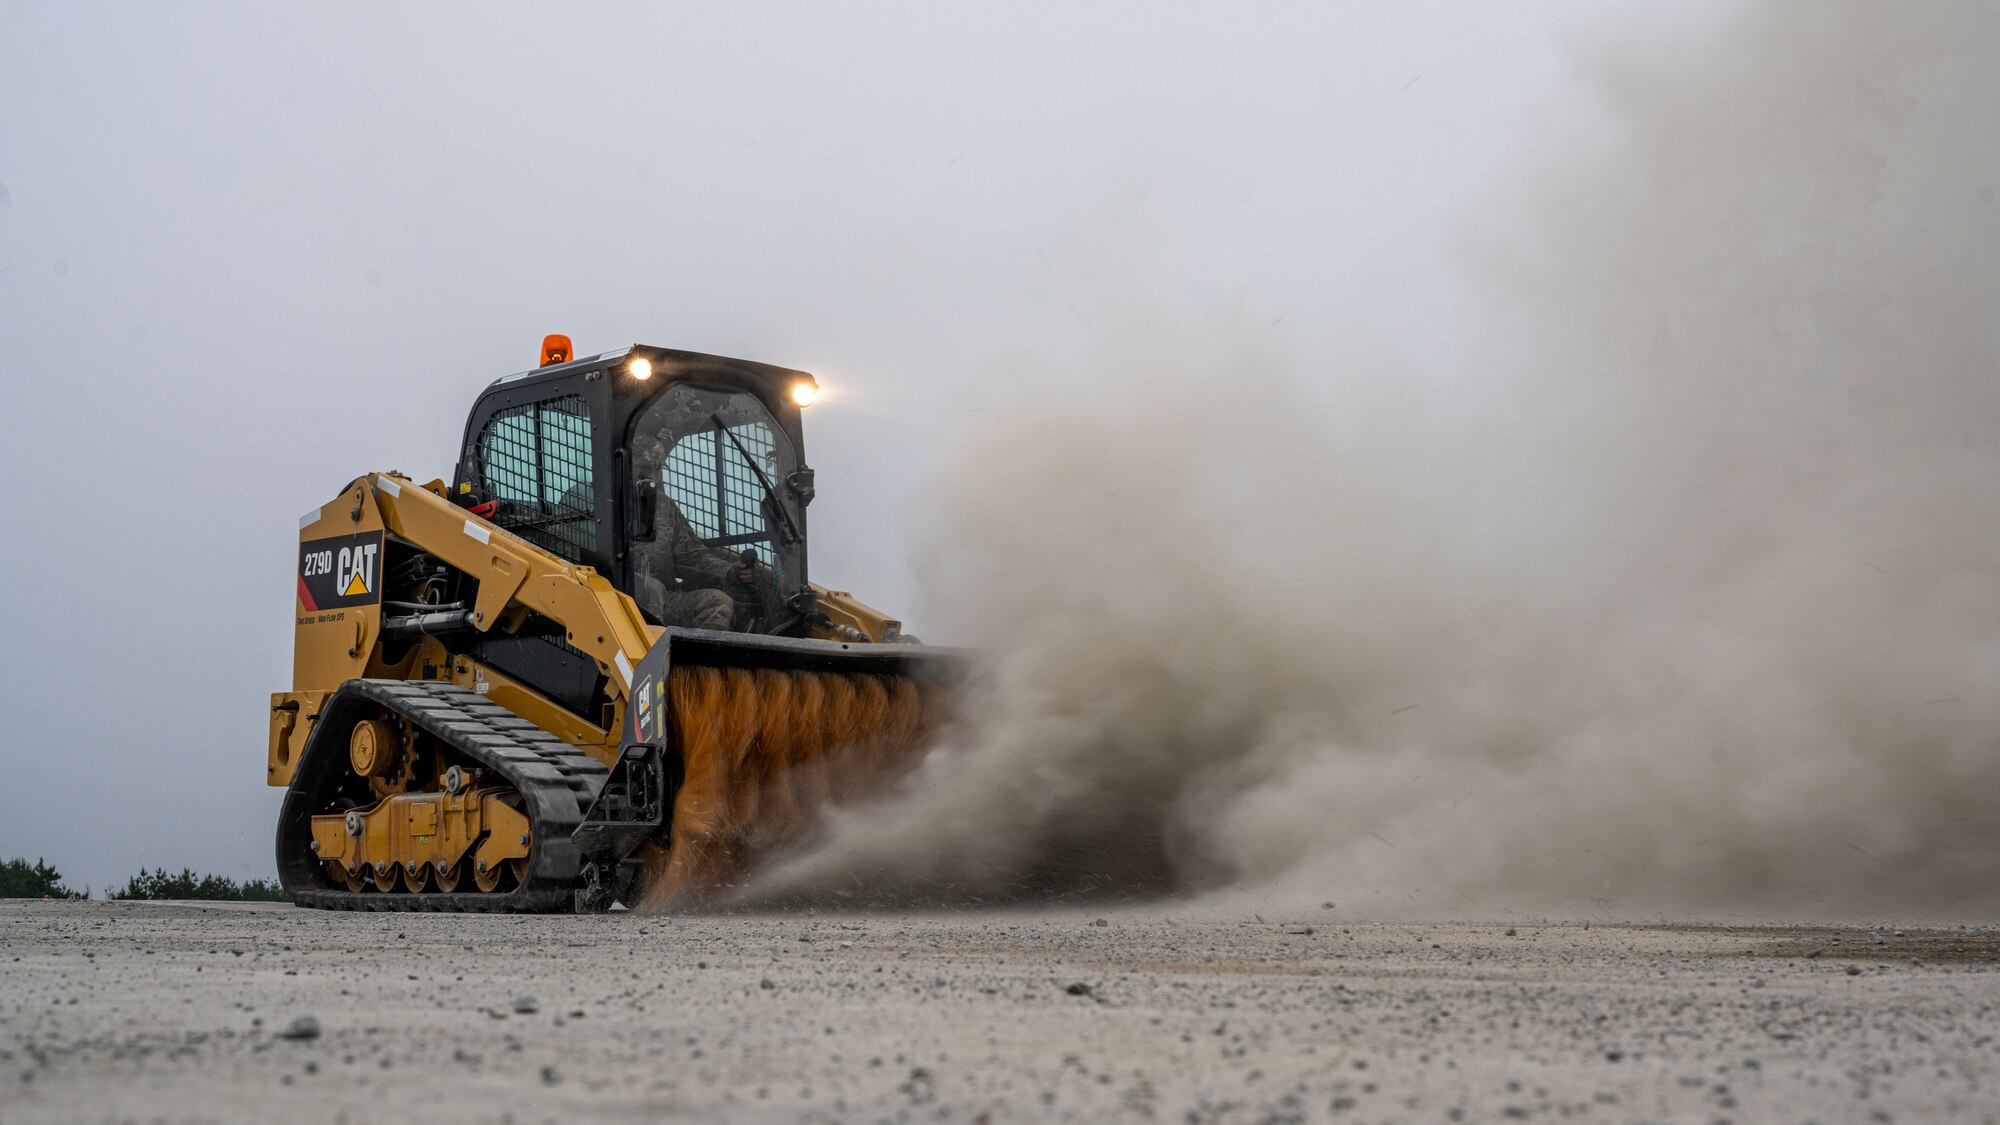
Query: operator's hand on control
x,y
744,572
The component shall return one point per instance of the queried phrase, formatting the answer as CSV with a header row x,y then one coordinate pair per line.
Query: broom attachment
x,y
763,751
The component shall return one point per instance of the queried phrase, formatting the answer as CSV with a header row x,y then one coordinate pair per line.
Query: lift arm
x,y
601,622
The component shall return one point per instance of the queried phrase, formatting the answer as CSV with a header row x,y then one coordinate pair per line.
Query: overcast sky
x,y
247,253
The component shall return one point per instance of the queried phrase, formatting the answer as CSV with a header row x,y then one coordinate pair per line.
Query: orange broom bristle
x,y
762,752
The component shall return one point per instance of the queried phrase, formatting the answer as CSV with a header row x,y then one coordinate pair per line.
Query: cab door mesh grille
x,y
536,461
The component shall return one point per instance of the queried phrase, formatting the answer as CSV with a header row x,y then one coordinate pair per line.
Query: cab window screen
x,y
535,460
707,446
716,490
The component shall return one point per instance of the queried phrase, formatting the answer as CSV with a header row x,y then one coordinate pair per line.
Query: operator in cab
x,y
681,580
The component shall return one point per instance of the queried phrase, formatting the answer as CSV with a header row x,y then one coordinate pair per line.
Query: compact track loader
x,y
492,708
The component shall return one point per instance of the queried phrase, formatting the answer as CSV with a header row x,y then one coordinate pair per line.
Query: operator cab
x,y
667,471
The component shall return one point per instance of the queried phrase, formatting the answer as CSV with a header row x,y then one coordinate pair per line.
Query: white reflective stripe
x,y
625,669
389,486
309,519
478,532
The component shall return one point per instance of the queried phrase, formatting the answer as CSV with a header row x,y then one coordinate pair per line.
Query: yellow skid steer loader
x,y
591,669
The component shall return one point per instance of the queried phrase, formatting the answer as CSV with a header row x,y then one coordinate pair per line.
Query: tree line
x,y
21,879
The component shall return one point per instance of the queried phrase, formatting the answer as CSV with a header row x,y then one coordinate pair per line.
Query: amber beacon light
x,y
555,349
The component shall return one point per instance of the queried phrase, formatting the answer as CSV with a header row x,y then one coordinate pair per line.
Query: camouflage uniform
x,y
684,581
681,580
696,609
688,575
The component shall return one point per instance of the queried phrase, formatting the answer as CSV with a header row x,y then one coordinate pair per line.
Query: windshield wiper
x,y
792,534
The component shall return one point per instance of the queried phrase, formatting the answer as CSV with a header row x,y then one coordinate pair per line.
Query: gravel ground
x,y
182,1012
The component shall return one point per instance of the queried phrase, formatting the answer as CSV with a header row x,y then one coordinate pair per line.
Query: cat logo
x,y
643,722
342,572
358,567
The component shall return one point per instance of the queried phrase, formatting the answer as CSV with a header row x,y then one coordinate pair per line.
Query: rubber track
x,y
557,783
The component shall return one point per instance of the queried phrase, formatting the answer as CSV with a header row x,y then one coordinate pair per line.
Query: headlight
x,y
641,368
803,393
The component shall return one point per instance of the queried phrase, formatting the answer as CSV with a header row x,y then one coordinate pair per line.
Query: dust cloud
x,y
1683,600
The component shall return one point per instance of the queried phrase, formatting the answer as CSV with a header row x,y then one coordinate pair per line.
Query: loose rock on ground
x,y
182,1012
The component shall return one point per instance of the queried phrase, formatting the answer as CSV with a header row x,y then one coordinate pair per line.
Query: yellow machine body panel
x,y
335,639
